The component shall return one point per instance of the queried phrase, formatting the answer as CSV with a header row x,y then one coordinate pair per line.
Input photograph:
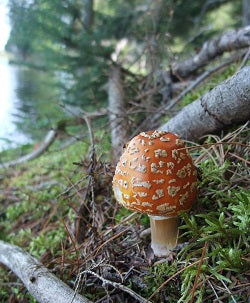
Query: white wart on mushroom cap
x,y
155,175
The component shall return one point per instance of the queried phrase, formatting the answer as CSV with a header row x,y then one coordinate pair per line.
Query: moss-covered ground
x,y
60,208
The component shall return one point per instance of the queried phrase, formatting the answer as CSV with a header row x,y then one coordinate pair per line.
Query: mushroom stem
x,y
164,234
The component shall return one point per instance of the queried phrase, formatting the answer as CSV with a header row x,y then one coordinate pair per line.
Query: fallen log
x,y
224,105
44,286
227,42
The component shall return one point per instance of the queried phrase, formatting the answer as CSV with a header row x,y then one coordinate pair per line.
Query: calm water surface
x,y
10,135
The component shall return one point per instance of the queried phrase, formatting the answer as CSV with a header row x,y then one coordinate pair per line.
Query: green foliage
x,y
144,220
22,221
122,213
222,225
45,241
16,210
52,36
159,274
9,154
240,207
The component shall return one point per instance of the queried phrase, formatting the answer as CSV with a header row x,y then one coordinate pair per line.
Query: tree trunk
x,y
88,14
227,103
117,112
245,12
41,284
229,41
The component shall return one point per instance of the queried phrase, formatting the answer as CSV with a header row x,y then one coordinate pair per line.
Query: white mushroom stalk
x,y
164,234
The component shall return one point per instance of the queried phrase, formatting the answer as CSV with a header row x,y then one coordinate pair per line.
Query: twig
x,y
242,285
228,291
244,61
91,135
211,285
45,144
110,239
75,110
198,272
118,285
70,188
92,166
239,158
73,243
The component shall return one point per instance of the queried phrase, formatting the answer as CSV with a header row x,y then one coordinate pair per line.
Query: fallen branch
x,y
153,119
51,135
39,281
49,139
227,103
229,41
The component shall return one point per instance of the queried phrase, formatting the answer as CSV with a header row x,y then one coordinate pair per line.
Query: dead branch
x,y
48,140
39,281
78,113
227,42
153,119
227,103
52,134
80,225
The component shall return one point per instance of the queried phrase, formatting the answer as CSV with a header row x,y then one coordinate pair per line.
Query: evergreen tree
x,y
77,39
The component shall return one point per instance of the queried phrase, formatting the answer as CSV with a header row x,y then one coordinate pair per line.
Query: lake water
x,y
10,135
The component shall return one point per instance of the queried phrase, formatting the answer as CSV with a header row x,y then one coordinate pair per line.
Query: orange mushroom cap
x,y
156,175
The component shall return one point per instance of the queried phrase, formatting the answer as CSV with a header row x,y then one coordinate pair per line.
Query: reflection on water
x,y
30,104
10,134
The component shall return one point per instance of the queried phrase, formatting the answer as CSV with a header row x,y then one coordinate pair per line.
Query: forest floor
x,y
104,253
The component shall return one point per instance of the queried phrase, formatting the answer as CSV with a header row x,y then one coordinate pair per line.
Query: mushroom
x,y
156,176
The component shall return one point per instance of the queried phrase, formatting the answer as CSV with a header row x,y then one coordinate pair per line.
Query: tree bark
x,y
41,284
117,112
88,14
229,41
227,103
245,12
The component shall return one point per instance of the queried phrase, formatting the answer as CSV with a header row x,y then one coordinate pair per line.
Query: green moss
x,y
221,219
16,210
47,241
156,276
219,227
121,214
13,153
